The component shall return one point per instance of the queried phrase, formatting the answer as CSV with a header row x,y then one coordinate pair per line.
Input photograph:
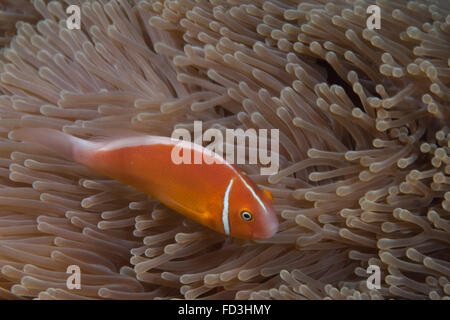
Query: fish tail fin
x,y
69,147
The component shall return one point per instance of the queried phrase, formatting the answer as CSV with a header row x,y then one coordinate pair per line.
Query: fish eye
x,y
247,216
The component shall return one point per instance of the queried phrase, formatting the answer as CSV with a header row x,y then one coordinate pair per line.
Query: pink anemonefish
x,y
216,195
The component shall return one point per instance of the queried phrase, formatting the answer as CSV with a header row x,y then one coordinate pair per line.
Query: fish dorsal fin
x,y
109,135
121,138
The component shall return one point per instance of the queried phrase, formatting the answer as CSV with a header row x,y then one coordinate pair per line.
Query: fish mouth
x,y
267,233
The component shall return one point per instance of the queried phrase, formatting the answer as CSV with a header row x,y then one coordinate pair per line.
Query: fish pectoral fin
x,y
268,194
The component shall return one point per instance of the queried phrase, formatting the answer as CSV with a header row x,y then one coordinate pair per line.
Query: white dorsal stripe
x,y
225,219
147,140
254,194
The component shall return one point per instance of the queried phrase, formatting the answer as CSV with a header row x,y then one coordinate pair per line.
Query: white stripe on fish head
x,y
225,211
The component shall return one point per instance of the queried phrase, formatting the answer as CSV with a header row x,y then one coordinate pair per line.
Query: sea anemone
x,y
363,118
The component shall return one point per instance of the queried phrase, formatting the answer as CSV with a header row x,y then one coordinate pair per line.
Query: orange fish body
x,y
213,193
